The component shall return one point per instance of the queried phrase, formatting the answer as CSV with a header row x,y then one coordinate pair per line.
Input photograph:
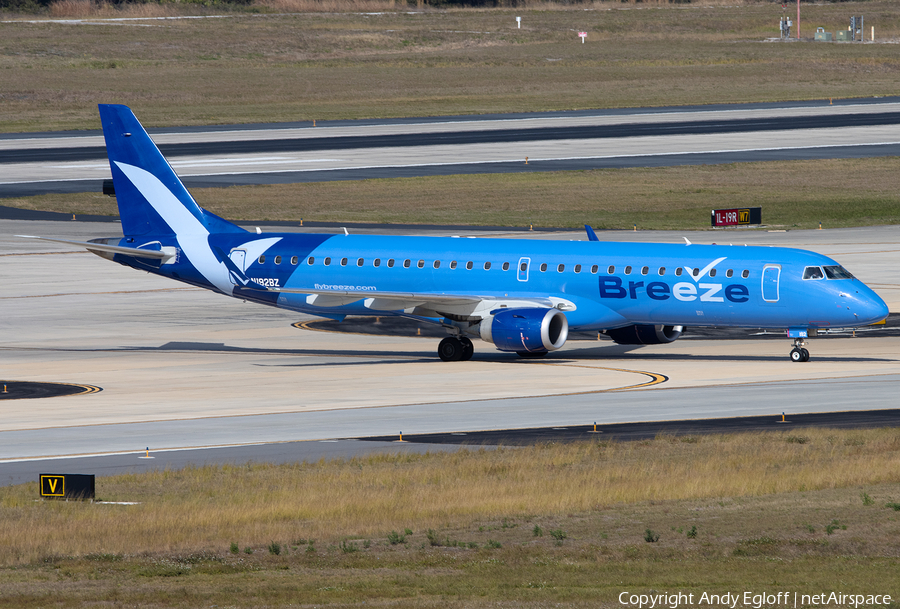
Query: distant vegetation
x,y
97,7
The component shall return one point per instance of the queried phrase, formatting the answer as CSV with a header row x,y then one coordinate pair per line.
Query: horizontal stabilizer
x,y
113,249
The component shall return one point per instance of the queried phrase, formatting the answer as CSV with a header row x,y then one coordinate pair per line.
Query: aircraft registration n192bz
x,y
521,295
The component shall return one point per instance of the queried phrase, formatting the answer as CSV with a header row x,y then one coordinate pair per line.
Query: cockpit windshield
x,y
813,272
837,272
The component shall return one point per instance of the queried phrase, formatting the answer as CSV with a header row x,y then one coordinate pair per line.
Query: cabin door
x,y
237,257
770,278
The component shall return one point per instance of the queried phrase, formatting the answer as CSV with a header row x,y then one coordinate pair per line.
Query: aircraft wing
x,y
427,303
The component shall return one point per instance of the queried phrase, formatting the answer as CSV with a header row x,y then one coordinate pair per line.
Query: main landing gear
x,y
799,352
456,349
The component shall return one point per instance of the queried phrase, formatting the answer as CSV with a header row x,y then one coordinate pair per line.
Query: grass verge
x,y
794,194
527,527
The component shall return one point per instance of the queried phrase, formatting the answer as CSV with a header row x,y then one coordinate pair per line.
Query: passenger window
x,y
453,264
628,270
505,266
662,271
813,272
611,269
487,266
311,260
678,272
406,263
745,273
343,262
421,264
594,269
577,268
712,272
560,268
327,261
523,267
437,264
729,273
262,259
376,262
695,272
360,262
277,259
390,263
469,265
645,270
294,260
544,267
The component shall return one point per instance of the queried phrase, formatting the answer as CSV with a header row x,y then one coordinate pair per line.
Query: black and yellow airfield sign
x,y
736,217
69,486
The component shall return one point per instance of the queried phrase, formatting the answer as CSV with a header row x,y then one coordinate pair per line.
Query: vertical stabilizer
x,y
151,197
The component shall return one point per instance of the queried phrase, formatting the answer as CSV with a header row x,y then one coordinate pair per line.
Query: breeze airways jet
x,y
521,295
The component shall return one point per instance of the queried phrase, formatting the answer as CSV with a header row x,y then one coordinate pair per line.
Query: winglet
x,y
592,236
686,241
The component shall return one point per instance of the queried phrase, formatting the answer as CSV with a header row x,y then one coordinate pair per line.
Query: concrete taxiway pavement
x,y
181,367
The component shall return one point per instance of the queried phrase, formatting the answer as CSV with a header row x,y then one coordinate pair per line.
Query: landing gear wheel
x,y
531,354
451,349
799,354
468,349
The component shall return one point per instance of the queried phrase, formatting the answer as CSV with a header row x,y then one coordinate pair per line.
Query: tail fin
x,y
151,197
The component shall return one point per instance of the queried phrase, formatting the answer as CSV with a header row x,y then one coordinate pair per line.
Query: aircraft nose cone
x,y
873,309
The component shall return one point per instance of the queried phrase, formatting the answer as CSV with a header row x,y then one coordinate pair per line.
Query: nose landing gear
x,y
799,352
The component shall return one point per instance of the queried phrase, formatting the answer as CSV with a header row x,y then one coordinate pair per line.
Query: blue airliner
x,y
521,295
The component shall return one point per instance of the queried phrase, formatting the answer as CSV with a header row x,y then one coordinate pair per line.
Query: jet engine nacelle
x,y
529,330
645,334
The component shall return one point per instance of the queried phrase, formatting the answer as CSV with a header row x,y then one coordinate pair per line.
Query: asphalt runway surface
x,y
22,471
354,150
511,135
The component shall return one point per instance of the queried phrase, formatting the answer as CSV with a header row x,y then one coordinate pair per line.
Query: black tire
x,y
450,349
796,355
468,349
805,355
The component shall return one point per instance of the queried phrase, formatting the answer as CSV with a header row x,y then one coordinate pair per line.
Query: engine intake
x,y
528,330
645,334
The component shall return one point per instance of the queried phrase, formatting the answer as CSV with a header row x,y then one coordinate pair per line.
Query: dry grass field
x,y
263,66
802,511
